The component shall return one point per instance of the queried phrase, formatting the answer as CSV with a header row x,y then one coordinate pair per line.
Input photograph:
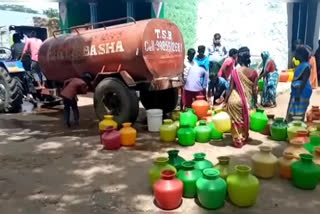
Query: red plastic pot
x,y
111,139
312,113
168,191
302,136
266,131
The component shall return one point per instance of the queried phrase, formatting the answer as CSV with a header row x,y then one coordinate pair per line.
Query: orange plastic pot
x,y
285,165
312,114
266,131
128,135
284,76
200,106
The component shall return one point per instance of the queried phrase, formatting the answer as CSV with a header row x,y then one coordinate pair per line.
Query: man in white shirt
x,y
217,53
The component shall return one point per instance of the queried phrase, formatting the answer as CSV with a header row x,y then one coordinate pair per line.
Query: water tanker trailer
x,y
145,56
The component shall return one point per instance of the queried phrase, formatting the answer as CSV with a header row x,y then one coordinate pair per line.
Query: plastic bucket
x,y
154,117
26,107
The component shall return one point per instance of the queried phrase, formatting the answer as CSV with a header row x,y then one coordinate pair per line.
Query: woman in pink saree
x,y
242,97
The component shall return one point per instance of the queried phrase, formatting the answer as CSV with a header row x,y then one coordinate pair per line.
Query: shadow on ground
x,y
59,170
47,168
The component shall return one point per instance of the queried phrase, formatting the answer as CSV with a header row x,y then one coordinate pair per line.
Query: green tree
x,y
51,13
184,13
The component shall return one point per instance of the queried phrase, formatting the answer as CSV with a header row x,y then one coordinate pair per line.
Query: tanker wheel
x,y
10,93
111,96
166,100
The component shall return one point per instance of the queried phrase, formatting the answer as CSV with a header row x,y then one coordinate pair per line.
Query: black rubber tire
x,y
128,104
20,85
166,100
14,96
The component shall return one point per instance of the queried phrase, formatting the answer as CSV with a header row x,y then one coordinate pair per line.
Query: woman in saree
x,y
241,97
301,89
270,76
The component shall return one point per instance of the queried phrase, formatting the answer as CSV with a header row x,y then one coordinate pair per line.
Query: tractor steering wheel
x,y
5,53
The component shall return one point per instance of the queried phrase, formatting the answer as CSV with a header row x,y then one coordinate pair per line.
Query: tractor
x,y
16,82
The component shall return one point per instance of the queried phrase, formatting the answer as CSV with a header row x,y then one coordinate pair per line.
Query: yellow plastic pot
x,y
107,121
291,75
222,121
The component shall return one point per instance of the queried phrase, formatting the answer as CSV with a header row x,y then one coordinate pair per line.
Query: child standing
x,y
202,59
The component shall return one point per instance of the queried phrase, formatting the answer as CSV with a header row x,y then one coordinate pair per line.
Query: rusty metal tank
x,y
147,50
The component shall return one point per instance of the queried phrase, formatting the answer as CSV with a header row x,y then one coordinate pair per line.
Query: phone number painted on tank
x,y
160,45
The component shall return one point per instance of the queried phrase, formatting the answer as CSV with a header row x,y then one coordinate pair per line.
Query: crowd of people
x,y
229,81
224,78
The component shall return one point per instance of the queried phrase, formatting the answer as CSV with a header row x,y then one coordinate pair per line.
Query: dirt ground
x,y
45,168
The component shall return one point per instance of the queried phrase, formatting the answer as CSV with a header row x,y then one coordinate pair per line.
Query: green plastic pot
x,y
174,159
295,120
201,162
314,141
261,84
305,174
211,189
160,164
278,130
186,136
243,187
189,176
188,118
203,132
258,121
215,134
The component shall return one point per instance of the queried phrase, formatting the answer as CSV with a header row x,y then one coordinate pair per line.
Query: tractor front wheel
x,y
10,93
